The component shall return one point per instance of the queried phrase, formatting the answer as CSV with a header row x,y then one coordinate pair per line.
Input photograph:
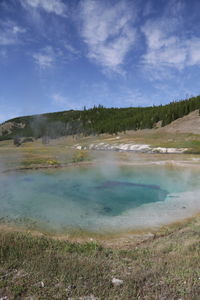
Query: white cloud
x,y
50,6
194,51
10,33
167,49
175,8
71,49
132,97
59,100
107,31
16,29
49,56
45,58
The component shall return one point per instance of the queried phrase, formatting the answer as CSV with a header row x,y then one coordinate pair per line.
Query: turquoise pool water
x,y
96,199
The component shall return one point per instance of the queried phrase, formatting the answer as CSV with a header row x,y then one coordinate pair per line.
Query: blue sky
x,y
66,54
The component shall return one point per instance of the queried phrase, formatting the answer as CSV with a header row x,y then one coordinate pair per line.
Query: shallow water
x,y
99,199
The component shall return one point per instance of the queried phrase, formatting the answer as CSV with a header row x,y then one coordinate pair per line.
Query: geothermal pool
x,y
99,199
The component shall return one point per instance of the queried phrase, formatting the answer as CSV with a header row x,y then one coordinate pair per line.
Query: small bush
x,y
80,155
17,141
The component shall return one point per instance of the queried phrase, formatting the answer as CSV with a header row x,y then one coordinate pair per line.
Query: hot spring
x,y
102,199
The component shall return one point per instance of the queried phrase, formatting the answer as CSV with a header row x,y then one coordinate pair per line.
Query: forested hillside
x,y
97,120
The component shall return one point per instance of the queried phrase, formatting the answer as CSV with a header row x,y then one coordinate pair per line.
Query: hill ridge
x,y
97,120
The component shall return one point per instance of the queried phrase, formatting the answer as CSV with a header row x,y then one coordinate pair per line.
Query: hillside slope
x,y
98,120
186,124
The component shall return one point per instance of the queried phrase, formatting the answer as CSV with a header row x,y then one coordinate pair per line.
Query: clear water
x,y
92,199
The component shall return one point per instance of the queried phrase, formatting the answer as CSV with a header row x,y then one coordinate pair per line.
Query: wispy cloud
x,y
71,49
193,46
50,56
107,30
10,33
63,102
50,6
45,58
168,50
148,8
163,49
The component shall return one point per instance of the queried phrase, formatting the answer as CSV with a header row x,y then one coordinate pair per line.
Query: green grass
x,y
192,142
166,267
37,161
59,152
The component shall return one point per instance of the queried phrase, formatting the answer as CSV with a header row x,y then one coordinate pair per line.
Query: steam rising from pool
x,y
87,198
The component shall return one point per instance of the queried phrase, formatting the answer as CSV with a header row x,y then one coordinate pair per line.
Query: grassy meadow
x,y
61,152
165,266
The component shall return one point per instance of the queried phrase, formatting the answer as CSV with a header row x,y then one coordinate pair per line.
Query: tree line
x,y
99,119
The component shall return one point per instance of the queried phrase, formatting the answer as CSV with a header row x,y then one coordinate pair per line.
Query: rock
x,y
79,147
40,284
70,287
117,282
20,274
150,235
90,297
139,148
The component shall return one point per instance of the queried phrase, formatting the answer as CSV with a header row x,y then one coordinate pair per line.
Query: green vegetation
x,y
165,266
35,154
49,162
99,120
80,155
